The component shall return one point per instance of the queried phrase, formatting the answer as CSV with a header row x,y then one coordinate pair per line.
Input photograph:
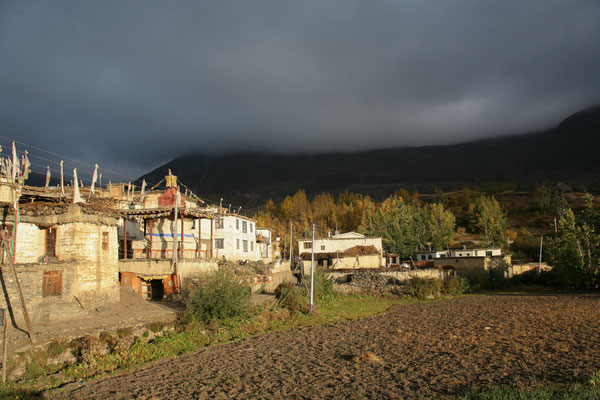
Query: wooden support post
x,y
211,238
199,252
4,338
182,236
14,238
151,234
124,238
20,291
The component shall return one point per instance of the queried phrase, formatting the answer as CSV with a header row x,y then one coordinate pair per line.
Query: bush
x,y
493,279
455,286
291,297
424,288
323,287
217,297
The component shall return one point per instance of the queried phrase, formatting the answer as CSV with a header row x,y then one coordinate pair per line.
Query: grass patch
x,y
589,390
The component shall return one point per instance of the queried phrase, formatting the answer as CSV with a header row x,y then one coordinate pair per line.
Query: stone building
x,y
343,251
65,256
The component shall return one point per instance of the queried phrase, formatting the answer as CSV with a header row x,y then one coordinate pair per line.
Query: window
x,y
104,240
237,224
251,227
237,244
251,246
219,243
244,226
51,243
488,253
52,283
245,245
308,245
322,247
219,223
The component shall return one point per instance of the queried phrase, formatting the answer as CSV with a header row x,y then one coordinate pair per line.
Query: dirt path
x,y
430,349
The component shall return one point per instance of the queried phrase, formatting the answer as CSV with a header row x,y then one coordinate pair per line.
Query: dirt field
x,y
429,349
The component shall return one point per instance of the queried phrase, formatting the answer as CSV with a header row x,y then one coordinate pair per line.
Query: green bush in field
x,y
217,297
291,297
424,288
455,286
323,287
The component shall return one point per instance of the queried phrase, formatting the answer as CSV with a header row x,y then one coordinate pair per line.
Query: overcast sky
x,y
132,84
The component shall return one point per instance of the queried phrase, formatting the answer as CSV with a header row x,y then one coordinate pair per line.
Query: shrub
x,y
493,279
217,297
291,297
424,288
455,286
323,287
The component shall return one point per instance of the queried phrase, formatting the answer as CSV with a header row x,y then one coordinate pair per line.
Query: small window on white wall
x,y
251,227
244,227
219,243
245,245
237,224
251,246
237,244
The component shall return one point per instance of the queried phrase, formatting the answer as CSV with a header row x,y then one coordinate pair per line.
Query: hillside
x,y
565,153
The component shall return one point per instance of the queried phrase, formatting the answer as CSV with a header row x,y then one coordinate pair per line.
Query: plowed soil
x,y
430,350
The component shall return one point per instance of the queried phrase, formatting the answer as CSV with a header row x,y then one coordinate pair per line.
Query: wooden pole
x,y
291,234
174,233
312,270
199,237
4,337
124,238
151,234
21,298
211,238
182,226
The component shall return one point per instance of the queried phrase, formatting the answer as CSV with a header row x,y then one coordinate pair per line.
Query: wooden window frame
x,y
105,243
52,283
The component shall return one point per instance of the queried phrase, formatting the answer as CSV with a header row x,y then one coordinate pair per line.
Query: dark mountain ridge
x,y
566,153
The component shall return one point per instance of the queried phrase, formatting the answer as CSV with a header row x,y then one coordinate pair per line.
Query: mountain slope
x,y
567,152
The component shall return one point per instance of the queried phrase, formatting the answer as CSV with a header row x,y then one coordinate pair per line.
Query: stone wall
x,y
70,298
470,266
400,275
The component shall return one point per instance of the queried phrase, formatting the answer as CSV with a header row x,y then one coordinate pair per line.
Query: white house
x,y
234,238
264,244
464,252
346,250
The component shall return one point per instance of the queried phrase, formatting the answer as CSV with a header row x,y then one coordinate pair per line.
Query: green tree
x,y
440,224
574,252
402,226
487,218
542,199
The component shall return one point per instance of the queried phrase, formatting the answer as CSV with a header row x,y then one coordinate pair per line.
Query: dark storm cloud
x,y
134,83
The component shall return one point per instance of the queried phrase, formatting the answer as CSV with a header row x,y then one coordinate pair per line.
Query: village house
x,y
343,251
235,238
464,252
65,256
264,242
469,262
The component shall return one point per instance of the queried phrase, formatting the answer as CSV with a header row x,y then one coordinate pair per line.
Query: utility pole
x,y
540,263
291,230
312,270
